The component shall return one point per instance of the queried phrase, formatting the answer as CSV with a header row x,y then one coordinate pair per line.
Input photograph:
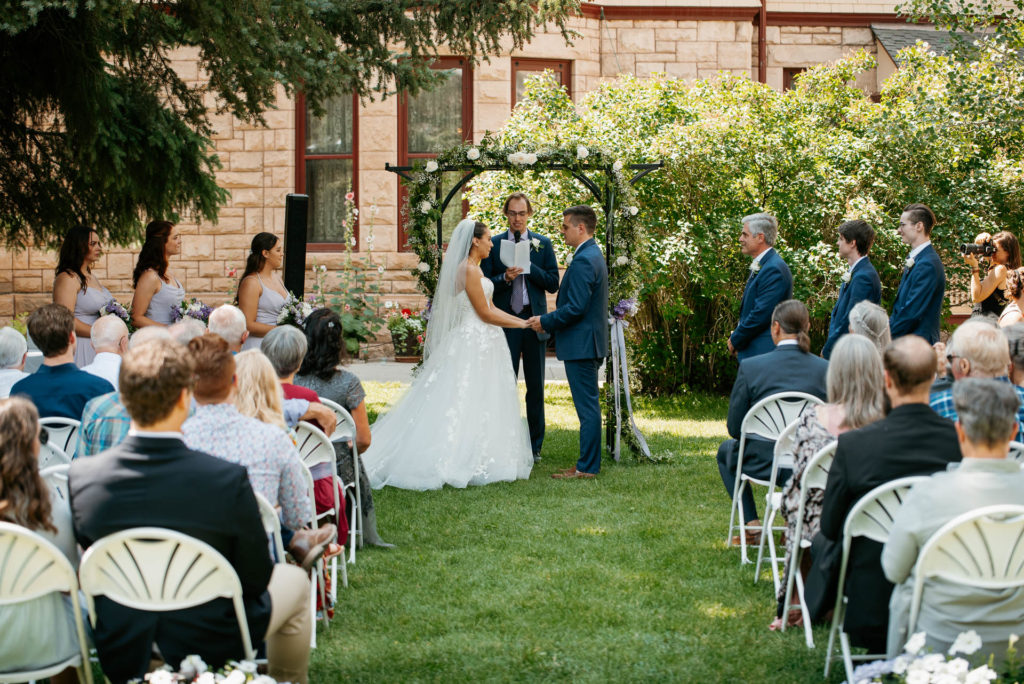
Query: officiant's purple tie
x,y
518,286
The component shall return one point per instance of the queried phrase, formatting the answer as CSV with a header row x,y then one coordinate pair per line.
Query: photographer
x,y
988,294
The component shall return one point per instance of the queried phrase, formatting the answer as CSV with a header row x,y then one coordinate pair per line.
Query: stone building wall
x,y
689,40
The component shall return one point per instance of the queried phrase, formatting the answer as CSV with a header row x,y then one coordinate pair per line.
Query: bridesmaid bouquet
x,y
295,311
192,308
115,308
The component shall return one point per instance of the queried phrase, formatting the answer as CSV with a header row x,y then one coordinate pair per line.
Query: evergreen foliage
x,y
96,125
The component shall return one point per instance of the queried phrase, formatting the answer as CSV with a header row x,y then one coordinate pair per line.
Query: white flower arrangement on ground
x,y
193,669
916,667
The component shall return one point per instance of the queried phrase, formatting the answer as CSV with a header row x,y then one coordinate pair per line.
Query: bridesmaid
x,y
156,289
77,289
261,291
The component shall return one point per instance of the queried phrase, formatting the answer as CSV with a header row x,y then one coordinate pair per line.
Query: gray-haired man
x,y
769,283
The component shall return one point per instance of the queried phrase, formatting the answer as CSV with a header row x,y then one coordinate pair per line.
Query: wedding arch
x,y
609,180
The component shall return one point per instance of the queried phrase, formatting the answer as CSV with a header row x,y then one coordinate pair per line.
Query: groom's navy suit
x,y
919,299
770,284
525,343
864,284
580,326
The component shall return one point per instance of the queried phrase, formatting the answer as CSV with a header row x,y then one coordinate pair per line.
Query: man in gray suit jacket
x,y
580,326
987,421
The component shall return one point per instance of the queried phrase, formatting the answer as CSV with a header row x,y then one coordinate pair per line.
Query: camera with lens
x,y
985,249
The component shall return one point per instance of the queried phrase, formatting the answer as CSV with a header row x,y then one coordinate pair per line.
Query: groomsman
x,y
769,283
860,281
523,295
923,284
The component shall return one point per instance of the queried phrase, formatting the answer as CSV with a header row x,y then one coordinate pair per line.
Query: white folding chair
x,y
766,419
870,517
156,569
56,478
318,568
1017,452
983,548
272,525
815,476
345,431
784,457
30,568
63,433
51,455
315,448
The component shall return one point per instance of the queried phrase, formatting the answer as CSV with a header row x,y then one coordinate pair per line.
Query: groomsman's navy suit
x,y
771,284
525,343
864,284
580,326
919,299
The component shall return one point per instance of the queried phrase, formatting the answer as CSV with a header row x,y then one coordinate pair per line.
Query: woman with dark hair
x,y
989,293
77,289
261,291
1013,313
40,632
156,289
321,371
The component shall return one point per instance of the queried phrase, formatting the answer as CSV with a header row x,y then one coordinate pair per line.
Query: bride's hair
x,y
478,232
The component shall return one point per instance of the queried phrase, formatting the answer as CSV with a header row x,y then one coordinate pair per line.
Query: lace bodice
x,y
466,306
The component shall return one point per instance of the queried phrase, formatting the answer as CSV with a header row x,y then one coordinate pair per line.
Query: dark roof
x,y
895,39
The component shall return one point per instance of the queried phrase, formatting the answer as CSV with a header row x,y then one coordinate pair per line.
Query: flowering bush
x,y
915,666
192,308
407,330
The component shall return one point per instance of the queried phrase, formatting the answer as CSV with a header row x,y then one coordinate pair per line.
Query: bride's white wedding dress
x,y
459,423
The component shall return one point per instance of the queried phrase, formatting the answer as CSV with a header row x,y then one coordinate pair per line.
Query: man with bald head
x,y
109,336
911,440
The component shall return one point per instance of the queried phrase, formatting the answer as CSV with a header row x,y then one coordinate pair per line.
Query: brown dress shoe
x,y
308,545
573,474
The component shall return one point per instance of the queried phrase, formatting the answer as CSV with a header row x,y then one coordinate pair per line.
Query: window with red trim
x,y
432,121
523,68
326,169
789,75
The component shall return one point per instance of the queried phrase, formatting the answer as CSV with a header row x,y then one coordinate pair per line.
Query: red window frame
x,y
562,67
404,156
300,167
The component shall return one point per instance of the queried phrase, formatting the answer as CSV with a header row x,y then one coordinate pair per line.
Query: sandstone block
x,y
247,197
734,55
858,36
685,70
636,40
612,65
278,158
798,39
378,133
43,258
120,265
744,31
28,282
212,269
493,92
675,34
826,39
716,31
773,34
240,179
698,52
246,161
231,144
646,69
802,55
197,246
280,118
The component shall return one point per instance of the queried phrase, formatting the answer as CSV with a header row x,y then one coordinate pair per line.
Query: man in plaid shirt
x,y
977,349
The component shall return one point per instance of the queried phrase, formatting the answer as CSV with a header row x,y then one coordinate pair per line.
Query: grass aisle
x,y
625,578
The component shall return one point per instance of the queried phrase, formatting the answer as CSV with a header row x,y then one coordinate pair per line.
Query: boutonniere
x,y
846,277
755,266
909,263
536,243
568,260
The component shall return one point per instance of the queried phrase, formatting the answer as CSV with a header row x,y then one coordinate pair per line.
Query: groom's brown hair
x,y
581,213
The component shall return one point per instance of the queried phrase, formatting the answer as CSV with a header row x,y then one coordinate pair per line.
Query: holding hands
x,y
533,323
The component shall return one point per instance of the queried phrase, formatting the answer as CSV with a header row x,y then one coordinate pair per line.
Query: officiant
x,y
523,294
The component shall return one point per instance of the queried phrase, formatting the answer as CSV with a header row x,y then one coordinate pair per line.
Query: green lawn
x,y
623,578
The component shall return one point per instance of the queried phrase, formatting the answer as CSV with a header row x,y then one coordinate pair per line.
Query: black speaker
x,y
296,219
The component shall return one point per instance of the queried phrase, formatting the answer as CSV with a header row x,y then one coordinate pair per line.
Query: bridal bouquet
x,y
295,311
191,308
193,669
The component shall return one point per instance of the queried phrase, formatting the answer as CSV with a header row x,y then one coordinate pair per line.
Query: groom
x,y
523,295
580,326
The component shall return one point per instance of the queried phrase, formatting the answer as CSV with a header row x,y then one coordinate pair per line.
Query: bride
x,y
459,422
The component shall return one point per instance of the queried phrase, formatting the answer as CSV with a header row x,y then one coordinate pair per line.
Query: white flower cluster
x,y
431,166
522,158
472,154
909,263
425,207
535,242
582,152
617,166
423,267
913,667
319,268
846,277
622,260
193,669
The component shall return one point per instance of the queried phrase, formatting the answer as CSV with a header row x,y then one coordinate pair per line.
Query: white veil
x,y
445,312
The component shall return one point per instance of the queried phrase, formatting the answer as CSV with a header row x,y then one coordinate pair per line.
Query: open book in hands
x,y
516,254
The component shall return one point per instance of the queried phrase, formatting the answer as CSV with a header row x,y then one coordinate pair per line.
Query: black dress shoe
x,y
536,459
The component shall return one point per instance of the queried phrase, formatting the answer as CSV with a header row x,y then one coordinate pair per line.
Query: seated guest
x,y
856,385
199,495
42,631
321,371
860,282
229,322
109,340
911,440
977,350
186,329
871,321
986,422
1015,338
105,422
260,397
789,367
1013,313
13,352
270,458
59,387
285,348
